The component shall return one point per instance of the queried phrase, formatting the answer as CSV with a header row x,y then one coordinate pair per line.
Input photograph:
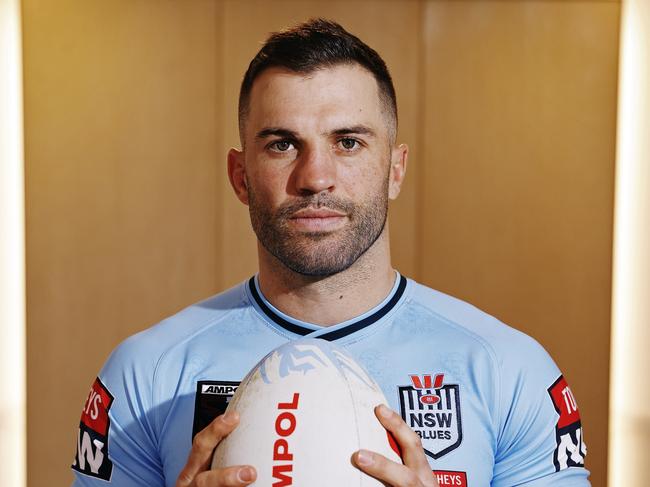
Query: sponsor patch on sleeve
x,y
570,448
212,398
91,457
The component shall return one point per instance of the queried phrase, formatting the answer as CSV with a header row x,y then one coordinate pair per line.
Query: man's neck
x,y
333,299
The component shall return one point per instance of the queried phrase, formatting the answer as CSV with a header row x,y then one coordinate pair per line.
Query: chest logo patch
x,y
432,409
212,398
570,448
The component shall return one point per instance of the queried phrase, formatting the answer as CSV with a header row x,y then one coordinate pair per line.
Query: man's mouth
x,y
318,219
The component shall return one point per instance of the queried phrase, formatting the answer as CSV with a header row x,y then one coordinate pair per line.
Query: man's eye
x,y
281,146
349,144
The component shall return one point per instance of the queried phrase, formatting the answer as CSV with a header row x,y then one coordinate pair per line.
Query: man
x,y
472,399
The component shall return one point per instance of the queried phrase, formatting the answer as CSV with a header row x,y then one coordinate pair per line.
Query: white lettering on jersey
x,y
570,449
85,452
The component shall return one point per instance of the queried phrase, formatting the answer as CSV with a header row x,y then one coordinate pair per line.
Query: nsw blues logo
x,y
432,409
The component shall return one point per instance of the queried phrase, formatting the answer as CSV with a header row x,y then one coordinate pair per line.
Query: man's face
x,y
316,166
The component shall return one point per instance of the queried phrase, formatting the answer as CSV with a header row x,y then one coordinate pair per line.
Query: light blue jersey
x,y
490,405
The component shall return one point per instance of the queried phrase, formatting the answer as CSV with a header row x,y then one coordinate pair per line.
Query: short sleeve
x,y
540,441
116,444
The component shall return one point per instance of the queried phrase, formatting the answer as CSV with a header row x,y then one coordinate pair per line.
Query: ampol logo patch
x,y
571,449
91,457
432,409
212,398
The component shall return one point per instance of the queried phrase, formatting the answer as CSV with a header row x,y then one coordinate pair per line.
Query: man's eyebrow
x,y
355,129
290,134
277,132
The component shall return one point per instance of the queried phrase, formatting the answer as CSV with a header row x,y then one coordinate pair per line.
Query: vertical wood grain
x,y
120,126
517,185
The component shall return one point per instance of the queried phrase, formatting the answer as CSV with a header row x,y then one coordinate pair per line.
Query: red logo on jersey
x,y
448,478
95,413
565,403
570,449
427,382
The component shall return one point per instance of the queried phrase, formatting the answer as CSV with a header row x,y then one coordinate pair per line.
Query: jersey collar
x,y
330,333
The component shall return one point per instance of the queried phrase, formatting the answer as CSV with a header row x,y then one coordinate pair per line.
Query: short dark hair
x,y
312,45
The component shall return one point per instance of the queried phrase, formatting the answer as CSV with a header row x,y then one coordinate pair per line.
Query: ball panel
x,y
304,409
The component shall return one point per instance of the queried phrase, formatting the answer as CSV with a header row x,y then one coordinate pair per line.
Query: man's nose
x,y
315,171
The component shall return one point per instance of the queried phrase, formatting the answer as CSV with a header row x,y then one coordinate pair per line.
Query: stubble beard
x,y
319,254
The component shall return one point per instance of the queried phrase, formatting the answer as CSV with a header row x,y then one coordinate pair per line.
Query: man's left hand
x,y
415,472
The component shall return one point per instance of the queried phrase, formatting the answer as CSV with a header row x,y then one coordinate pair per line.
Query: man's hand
x,y
197,473
415,472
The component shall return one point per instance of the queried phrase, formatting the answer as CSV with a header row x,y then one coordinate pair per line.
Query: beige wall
x,y
517,178
509,108
122,172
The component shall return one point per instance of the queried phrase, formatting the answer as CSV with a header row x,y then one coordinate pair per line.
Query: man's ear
x,y
398,160
237,174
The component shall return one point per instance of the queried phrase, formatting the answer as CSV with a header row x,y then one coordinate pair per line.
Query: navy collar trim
x,y
335,334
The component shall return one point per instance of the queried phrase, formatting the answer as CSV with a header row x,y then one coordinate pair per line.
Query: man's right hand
x,y
197,473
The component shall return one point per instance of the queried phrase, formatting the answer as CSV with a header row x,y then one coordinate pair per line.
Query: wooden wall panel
x,y
120,127
391,27
517,186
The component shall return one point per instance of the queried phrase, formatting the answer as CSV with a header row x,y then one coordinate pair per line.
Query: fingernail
x,y
365,458
229,417
245,474
384,411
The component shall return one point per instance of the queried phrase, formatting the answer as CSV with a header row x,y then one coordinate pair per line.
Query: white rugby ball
x,y
304,410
